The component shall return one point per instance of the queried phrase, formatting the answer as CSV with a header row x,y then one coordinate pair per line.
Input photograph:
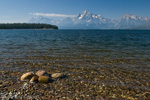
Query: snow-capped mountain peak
x,y
89,17
84,15
133,17
85,12
128,17
88,20
130,20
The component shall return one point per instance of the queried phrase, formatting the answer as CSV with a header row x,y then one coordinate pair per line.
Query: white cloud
x,y
51,15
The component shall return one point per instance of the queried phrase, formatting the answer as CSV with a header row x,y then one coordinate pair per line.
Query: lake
x,y
77,45
109,63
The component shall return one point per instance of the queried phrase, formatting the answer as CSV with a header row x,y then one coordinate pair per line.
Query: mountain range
x,y
87,20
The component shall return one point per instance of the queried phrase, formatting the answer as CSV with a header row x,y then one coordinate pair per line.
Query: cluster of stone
x,y
40,76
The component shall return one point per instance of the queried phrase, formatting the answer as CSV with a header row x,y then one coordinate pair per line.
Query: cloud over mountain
x,y
51,15
87,20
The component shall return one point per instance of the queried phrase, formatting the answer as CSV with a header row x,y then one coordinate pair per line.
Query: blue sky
x,y
23,10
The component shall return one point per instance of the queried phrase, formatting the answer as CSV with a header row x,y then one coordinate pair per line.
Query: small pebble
x,y
57,75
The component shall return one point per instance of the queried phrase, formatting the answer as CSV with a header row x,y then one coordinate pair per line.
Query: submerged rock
x,y
57,75
44,79
34,79
25,85
42,73
27,76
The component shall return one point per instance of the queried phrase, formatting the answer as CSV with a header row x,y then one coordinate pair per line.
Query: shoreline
x,y
97,64
81,82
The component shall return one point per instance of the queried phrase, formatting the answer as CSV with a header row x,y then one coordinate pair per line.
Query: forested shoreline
x,y
27,26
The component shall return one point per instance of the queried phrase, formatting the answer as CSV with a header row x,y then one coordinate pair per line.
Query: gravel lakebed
x,y
87,80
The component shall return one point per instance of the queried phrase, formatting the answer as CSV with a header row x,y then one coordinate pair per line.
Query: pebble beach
x,y
90,73
83,82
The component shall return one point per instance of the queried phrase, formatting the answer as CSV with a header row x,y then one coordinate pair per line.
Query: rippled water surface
x,y
103,63
74,46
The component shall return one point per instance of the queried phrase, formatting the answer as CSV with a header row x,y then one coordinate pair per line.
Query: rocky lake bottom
x,y
97,64
85,79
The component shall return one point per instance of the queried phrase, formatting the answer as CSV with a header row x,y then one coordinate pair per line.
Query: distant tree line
x,y
27,26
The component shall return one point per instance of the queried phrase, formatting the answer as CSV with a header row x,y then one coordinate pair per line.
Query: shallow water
x,y
75,46
110,63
